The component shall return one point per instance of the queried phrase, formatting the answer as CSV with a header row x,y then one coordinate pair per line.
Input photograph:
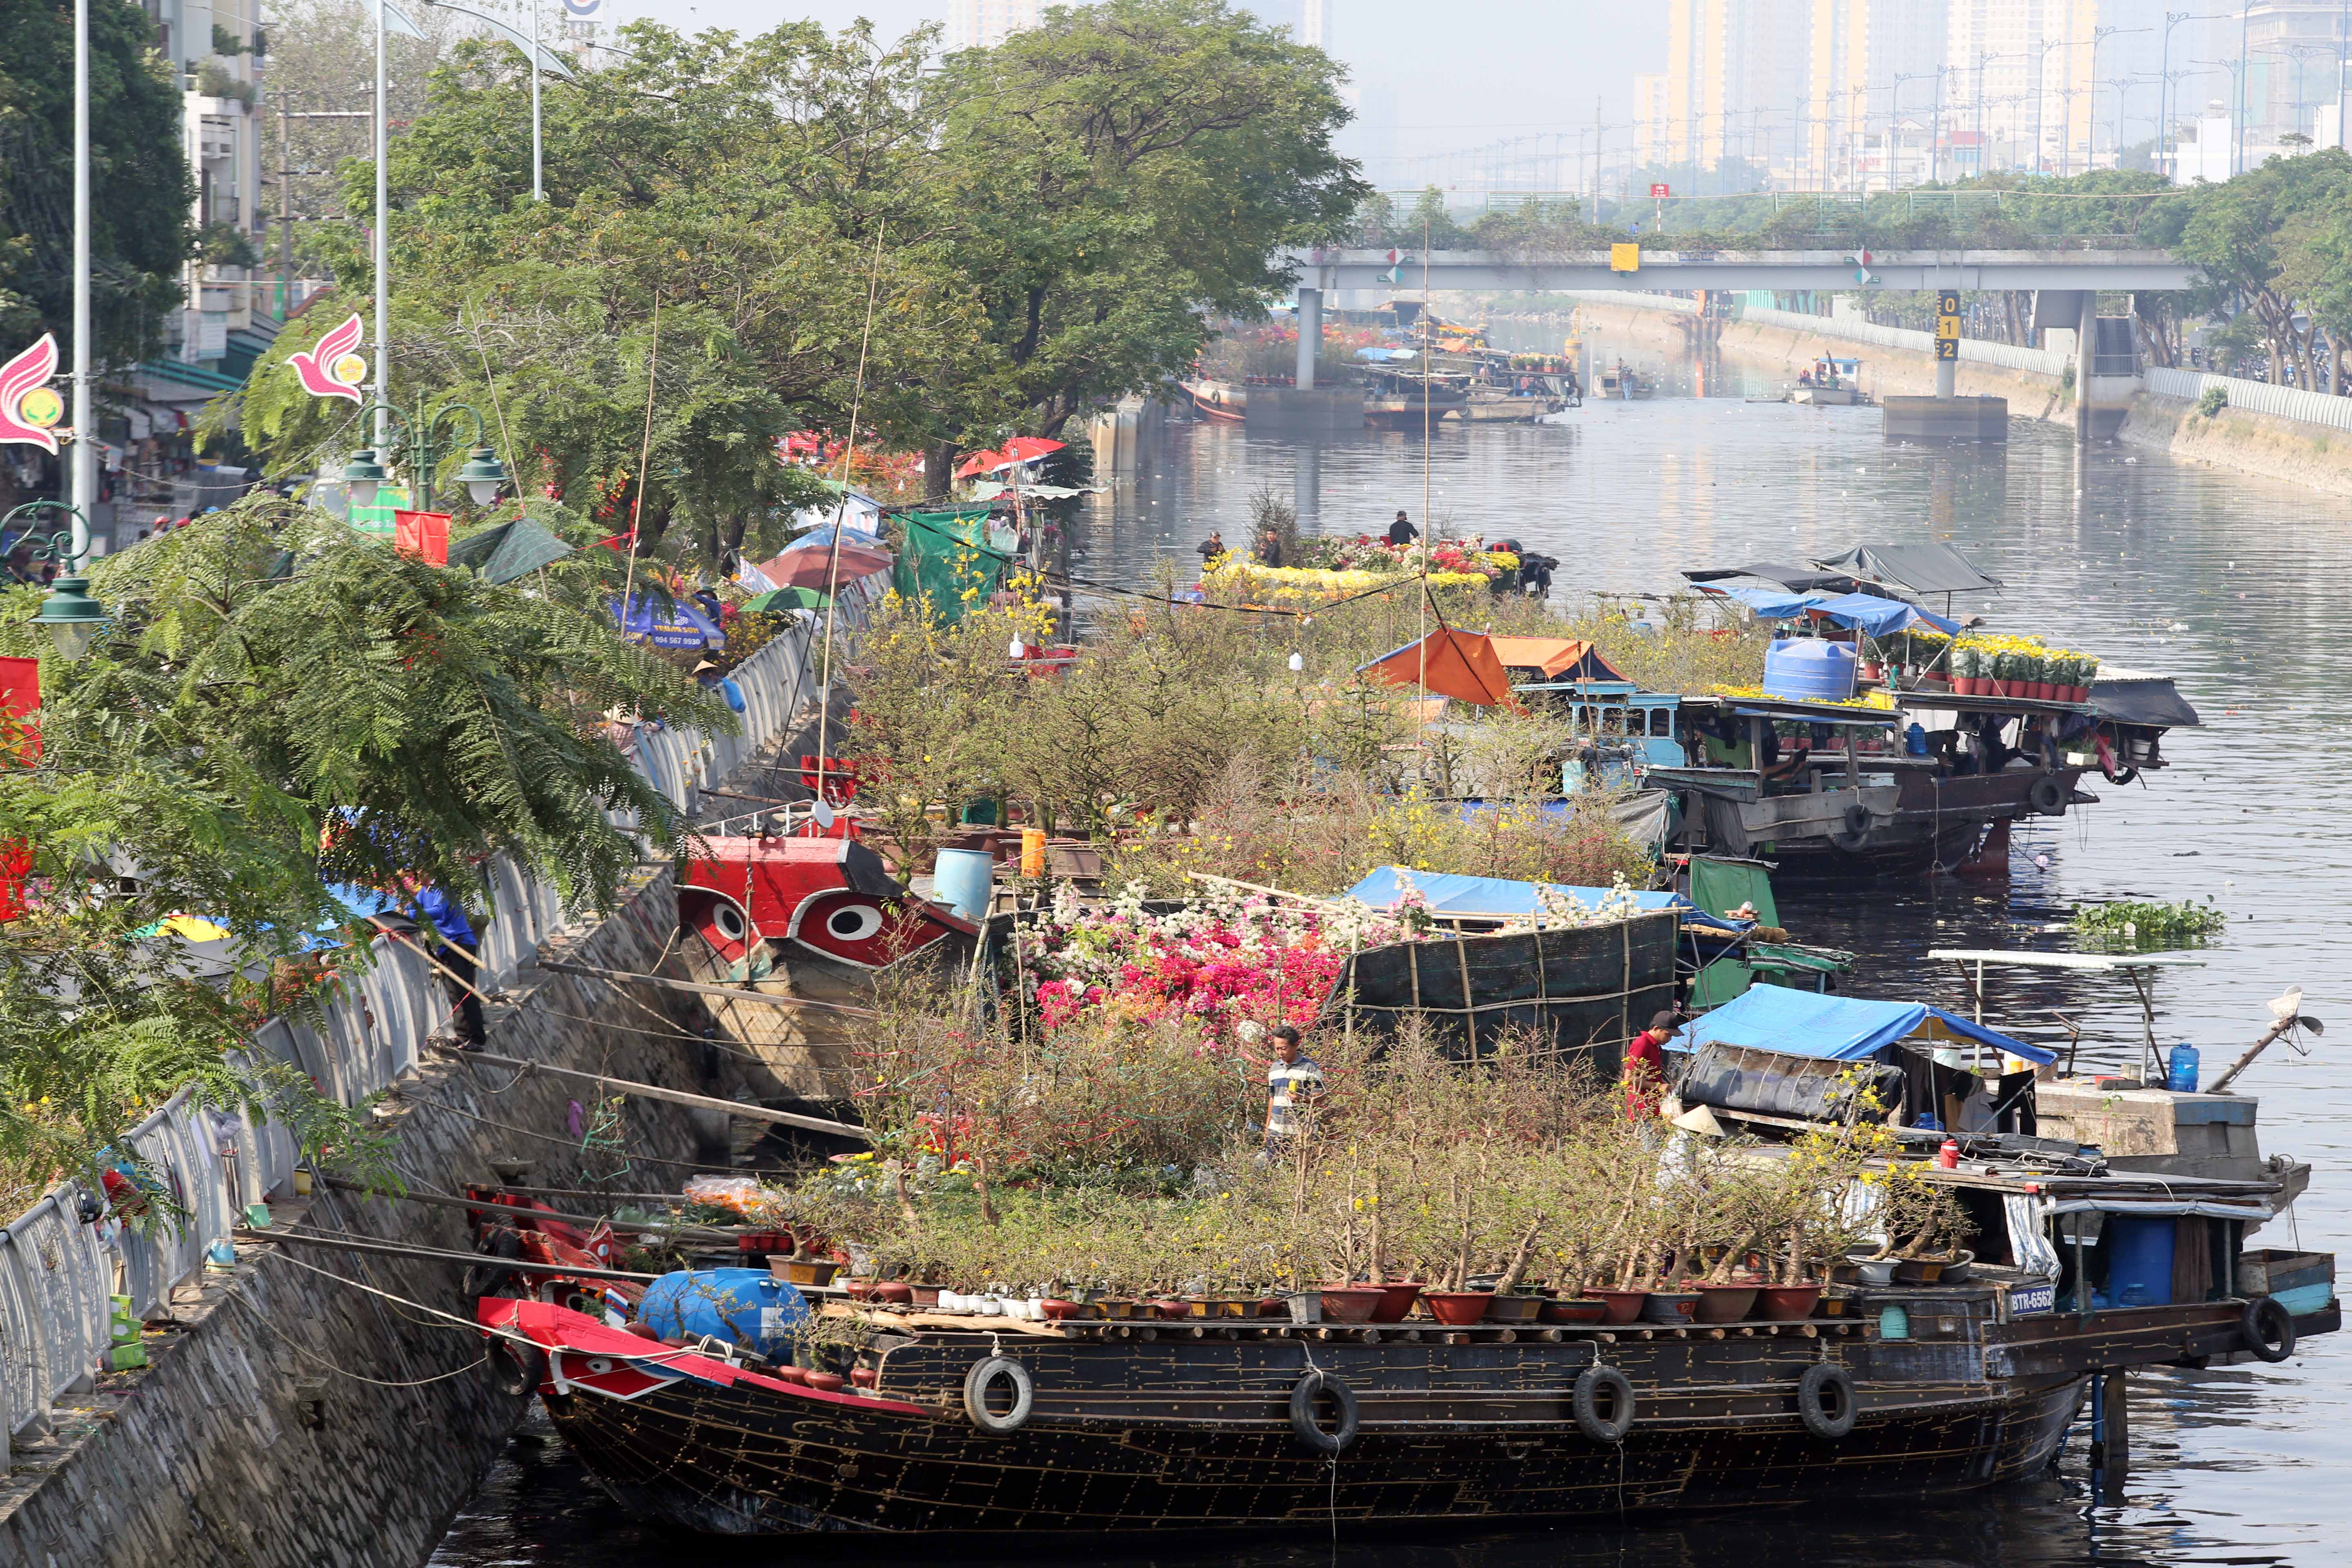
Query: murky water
x,y
2241,588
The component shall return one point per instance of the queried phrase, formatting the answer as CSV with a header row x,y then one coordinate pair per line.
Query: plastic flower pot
x,y
1457,1308
1513,1309
1575,1311
1349,1303
1723,1303
1396,1301
1674,1307
1786,1303
1620,1306
1875,1270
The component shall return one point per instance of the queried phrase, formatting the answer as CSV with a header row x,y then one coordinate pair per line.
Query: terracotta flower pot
x,y
1787,1303
1620,1306
865,1376
924,1295
1169,1307
1351,1303
1669,1306
1513,1309
798,1374
1396,1301
824,1381
1457,1308
1723,1303
896,1292
1057,1311
1575,1310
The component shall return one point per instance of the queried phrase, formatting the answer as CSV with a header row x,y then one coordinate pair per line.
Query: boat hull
x,y
732,1463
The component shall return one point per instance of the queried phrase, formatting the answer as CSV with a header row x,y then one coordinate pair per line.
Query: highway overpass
x,y
1534,272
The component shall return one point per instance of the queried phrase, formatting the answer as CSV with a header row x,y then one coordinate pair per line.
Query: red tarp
x,y
422,534
814,567
1461,665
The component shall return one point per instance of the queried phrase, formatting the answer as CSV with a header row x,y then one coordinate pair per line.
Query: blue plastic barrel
x,y
2181,1072
751,1307
2139,1260
966,882
1808,669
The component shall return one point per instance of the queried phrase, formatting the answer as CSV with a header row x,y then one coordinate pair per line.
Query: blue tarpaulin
x,y
1499,897
1832,1028
1879,618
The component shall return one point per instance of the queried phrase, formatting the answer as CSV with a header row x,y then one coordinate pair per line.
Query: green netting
x,y
947,560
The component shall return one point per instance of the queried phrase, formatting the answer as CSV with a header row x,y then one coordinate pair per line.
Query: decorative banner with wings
x,y
29,411
332,369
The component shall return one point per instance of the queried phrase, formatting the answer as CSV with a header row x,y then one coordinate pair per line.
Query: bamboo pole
x,y
742,1108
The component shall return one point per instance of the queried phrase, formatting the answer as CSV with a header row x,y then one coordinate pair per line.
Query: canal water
x,y
2240,588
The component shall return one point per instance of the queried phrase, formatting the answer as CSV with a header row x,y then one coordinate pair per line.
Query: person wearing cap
x,y
1644,1073
711,678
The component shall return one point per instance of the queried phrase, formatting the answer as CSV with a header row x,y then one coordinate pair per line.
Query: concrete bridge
x,y
1830,270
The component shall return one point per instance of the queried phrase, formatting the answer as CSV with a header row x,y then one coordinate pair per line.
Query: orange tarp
x,y
1553,656
1461,665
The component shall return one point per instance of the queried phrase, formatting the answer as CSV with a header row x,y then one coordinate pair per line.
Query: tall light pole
x,y
2091,120
381,249
2041,92
82,464
2164,110
1935,136
2238,132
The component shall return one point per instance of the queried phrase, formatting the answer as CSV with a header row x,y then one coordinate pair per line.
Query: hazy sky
x,y
1459,75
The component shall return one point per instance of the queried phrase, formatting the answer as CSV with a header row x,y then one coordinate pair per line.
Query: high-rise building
x,y
2024,75
1872,63
1650,120
2293,49
1733,67
984,24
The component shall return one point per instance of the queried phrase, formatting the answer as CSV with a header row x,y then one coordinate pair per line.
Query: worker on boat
x,y
1270,549
1209,549
1401,533
1805,377
1644,1074
1293,1081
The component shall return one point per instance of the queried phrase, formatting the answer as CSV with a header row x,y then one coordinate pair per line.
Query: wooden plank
x,y
738,1108
733,993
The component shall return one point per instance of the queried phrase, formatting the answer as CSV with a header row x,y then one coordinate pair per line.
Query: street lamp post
x,y
481,473
2164,110
2091,120
69,616
82,463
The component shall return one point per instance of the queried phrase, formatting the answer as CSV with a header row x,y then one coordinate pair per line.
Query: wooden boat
x,y
1406,400
946,1423
1220,400
1833,384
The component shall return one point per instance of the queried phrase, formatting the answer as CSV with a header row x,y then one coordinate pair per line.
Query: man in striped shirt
x,y
1293,1079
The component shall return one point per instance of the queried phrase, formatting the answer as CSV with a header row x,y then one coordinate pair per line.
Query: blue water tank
x,y
2180,1072
2139,1260
1808,669
751,1307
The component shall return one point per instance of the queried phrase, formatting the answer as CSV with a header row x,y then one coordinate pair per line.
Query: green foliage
x,y
141,195
2214,400
2148,925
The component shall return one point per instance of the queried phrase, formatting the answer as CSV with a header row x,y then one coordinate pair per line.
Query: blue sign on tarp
x,y
682,625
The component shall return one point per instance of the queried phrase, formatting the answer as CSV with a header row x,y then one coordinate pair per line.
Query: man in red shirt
x,y
1644,1076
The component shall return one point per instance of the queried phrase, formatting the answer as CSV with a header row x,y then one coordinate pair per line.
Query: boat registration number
x,y
2041,1297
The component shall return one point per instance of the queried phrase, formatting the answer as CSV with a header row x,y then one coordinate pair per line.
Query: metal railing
x,y
58,1272
2256,396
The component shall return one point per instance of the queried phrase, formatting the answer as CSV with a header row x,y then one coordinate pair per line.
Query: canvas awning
x,y
1879,618
1570,658
1834,1029
1795,579
815,567
1461,665
1914,568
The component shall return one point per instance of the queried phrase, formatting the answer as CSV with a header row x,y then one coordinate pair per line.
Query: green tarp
x,y
1719,887
947,559
509,551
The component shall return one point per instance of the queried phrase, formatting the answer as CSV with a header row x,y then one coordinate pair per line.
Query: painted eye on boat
x,y
729,921
853,923
599,1363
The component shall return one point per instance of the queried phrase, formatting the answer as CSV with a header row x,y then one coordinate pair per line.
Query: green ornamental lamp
x,y
71,618
482,475
361,475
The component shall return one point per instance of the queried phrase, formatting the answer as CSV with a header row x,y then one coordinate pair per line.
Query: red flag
x,y
422,534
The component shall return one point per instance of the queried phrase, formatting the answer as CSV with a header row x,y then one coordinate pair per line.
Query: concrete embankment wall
x,y
289,1417
290,1420
2238,439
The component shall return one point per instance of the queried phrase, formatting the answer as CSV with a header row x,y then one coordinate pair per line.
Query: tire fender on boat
x,y
984,1372
1586,1404
1825,1401
2049,796
522,1368
1302,1413
2268,1328
1857,819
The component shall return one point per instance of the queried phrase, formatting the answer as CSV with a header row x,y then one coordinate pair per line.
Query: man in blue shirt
x,y
456,952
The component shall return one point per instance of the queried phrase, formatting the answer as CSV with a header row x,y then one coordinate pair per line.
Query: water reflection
x,y
2238,587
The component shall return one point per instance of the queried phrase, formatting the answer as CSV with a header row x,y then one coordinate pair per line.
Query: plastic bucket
x,y
966,882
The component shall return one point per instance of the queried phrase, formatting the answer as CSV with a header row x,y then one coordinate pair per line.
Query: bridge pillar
x,y
1310,335
2086,340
